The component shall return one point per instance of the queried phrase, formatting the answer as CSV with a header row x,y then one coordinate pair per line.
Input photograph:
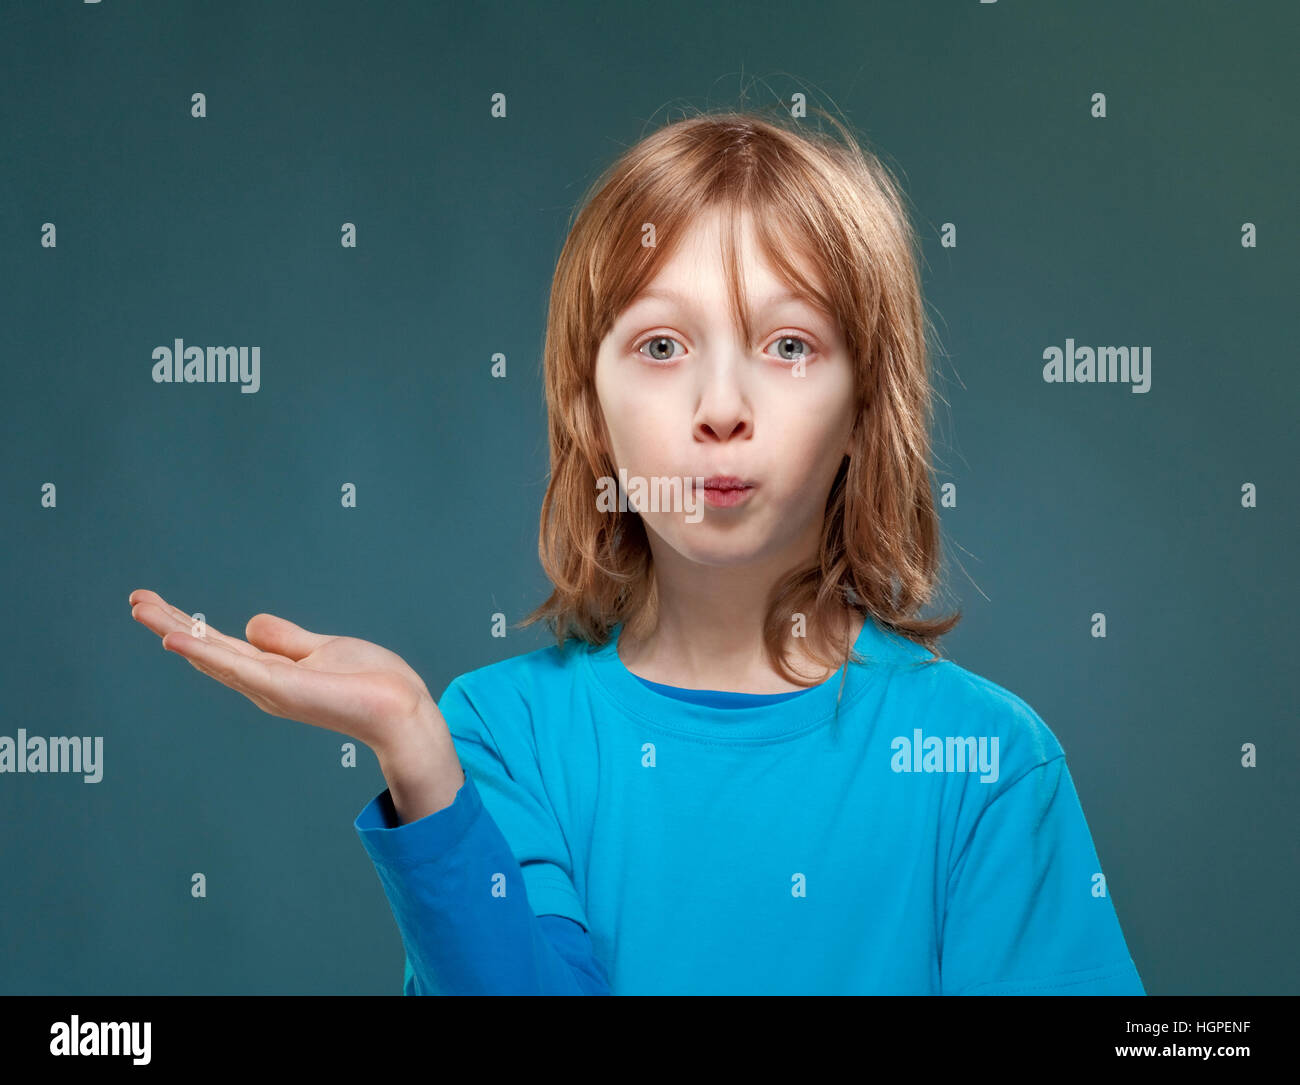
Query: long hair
x,y
879,550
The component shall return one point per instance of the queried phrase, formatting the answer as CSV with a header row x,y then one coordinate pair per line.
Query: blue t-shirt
x,y
905,827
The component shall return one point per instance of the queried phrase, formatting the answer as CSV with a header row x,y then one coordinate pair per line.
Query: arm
x,y
1025,909
455,888
570,940
459,898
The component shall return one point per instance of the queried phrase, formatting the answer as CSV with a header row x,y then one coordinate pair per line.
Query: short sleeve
x,y
493,736
1025,911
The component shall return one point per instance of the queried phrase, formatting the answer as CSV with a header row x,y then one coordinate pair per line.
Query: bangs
x,y
794,236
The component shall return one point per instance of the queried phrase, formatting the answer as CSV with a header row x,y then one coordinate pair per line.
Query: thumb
x,y
278,635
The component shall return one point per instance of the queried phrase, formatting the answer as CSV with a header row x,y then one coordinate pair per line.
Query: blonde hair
x,y
879,551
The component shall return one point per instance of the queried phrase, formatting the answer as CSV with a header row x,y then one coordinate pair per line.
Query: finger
x,y
281,636
255,678
144,595
334,701
163,618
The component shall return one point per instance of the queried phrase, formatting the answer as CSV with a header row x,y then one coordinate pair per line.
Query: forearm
x,y
462,909
423,773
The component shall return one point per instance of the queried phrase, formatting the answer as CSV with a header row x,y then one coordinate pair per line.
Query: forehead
x,y
698,264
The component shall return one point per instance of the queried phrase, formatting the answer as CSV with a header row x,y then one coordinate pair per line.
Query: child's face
x,y
697,402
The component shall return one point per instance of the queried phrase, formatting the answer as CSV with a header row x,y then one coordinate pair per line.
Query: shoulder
x,y
950,701
540,667
510,688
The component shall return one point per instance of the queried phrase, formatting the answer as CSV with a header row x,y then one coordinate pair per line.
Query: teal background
x,y
225,230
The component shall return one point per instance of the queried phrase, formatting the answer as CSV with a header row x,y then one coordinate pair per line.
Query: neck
x,y
709,633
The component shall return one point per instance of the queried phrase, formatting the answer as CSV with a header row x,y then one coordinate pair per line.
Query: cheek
x,y
616,409
640,427
811,446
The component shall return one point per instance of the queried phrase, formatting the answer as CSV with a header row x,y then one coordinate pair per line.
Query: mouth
x,y
725,491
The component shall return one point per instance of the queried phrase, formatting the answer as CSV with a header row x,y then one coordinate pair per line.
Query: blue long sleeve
x,y
458,896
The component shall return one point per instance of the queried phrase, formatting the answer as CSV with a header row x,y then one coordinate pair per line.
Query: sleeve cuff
x,y
420,841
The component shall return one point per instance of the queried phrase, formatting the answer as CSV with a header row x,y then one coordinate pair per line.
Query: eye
x,y
800,348
658,343
791,342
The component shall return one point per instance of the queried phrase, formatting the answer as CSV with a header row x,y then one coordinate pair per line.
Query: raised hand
x,y
340,683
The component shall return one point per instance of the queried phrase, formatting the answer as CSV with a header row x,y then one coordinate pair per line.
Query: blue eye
x,y
661,352
785,339
657,340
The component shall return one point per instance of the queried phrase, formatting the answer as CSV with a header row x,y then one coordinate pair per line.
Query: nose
x,y
723,412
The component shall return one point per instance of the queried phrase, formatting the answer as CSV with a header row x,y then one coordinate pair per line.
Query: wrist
x,y
421,783
418,736
419,760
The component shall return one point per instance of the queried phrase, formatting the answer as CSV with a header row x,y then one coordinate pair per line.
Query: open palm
x,y
340,683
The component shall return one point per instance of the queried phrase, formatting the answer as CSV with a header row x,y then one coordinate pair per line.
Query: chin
x,y
711,547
